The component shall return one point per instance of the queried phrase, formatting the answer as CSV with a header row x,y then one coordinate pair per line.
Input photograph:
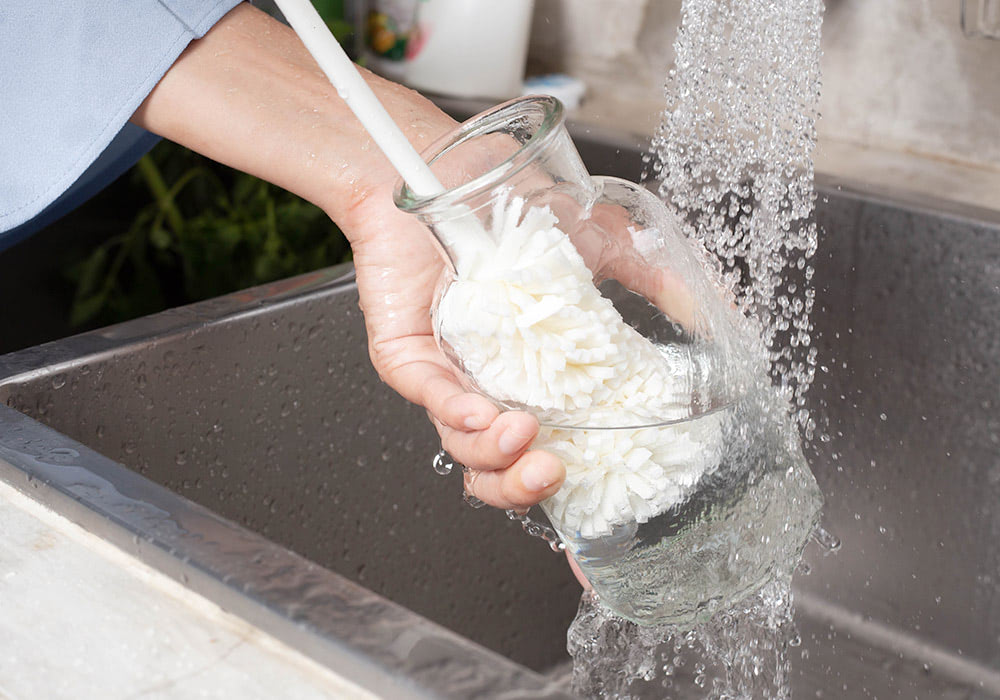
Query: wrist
x,y
354,172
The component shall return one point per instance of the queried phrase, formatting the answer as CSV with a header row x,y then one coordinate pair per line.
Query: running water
x,y
733,155
739,653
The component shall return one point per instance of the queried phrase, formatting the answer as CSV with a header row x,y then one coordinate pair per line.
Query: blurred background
x,y
910,101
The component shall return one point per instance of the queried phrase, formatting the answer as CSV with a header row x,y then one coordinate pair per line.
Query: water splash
x,y
733,154
827,540
734,158
441,464
469,498
740,654
538,529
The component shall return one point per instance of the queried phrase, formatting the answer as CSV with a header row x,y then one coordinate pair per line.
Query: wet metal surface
x,y
262,409
358,634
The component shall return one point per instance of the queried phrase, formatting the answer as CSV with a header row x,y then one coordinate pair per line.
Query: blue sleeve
x,y
73,72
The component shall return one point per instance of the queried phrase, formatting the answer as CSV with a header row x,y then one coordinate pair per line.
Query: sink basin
x,y
245,446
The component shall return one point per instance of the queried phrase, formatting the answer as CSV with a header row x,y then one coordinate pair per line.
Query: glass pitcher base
x,y
690,562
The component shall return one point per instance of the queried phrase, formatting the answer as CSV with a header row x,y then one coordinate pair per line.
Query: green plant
x,y
332,12
205,230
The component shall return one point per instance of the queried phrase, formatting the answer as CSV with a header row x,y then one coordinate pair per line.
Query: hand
x,y
398,269
249,95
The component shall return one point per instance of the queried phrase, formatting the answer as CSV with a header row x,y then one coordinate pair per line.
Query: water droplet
x,y
472,500
61,455
441,464
826,540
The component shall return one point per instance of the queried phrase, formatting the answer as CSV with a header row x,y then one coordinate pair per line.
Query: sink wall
x,y
909,327
277,421
263,407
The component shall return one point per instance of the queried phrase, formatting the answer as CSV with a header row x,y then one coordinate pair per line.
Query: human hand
x,y
398,268
249,95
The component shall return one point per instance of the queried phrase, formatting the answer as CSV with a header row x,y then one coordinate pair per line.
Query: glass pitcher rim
x,y
553,117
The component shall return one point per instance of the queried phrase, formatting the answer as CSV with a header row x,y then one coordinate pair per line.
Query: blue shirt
x,y
72,72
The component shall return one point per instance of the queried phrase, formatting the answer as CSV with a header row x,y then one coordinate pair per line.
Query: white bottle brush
x,y
532,330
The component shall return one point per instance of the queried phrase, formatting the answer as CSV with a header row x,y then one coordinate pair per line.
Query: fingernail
x,y
476,422
537,478
511,441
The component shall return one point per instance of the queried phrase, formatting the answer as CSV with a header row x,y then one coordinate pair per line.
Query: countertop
x,y
81,619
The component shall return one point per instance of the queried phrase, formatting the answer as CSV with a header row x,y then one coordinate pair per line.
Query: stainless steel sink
x,y
245,446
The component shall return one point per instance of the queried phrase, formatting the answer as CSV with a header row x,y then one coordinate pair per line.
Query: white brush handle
x,y
359,97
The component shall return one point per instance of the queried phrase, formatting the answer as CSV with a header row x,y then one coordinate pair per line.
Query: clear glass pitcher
x,y
577,298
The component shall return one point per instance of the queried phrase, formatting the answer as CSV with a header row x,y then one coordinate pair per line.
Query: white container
x,y
460,48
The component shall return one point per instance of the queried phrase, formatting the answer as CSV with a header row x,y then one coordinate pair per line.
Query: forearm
x,y
249,95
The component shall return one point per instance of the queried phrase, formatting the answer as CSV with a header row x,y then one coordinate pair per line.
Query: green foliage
x,y
201,230
332,12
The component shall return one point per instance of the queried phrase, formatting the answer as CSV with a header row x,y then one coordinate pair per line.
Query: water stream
x,y
733,159
733,155
738,653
